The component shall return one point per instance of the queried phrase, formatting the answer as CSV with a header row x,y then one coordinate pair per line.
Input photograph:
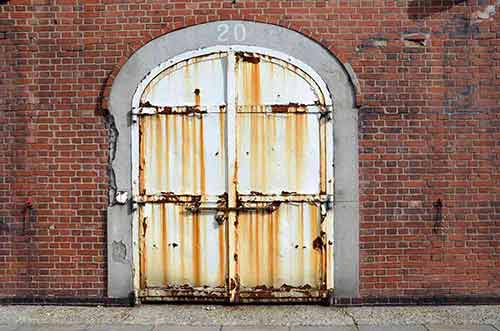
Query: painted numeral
x,y
236,32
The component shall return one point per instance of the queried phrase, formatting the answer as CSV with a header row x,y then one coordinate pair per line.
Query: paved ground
x,y
249,318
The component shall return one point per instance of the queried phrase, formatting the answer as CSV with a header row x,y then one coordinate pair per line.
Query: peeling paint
x,y
485,14
121,197
112,143
119,252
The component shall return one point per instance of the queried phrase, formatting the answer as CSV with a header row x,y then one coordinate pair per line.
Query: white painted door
x,y
235,181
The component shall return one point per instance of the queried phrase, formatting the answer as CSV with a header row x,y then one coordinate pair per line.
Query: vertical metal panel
x,y
183,158
278,152
176,85
281,148
182,248
184,154
263,80
277,249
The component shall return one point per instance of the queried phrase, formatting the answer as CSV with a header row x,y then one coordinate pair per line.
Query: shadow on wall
x,y
418,9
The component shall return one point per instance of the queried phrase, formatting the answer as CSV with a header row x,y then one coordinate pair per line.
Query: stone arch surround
x,y
340,84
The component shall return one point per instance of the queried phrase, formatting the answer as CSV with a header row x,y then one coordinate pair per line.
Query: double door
x,y
234,182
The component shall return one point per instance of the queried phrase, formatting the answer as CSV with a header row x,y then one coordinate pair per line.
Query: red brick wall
x,y
429,129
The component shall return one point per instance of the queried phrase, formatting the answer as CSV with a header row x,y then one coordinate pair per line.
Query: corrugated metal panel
x,y
182,148
263,80
277,249
176,86
183,154
280,253
278,152
181,248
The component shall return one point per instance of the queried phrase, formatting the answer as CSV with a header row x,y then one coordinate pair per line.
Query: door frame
x,y
327,103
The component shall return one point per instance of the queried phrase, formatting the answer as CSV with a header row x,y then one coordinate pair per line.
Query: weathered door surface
x,y
235,182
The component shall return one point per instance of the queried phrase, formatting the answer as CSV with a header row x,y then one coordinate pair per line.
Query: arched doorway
x,y
234,178
271,49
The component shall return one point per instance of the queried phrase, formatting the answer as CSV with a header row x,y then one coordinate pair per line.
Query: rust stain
x,y
235,177
173,150
197,97
258,152
195,175
248,239
156,145
274,255
272,249
318,243
255,239
142,153
247,58
254,151
202,158
316,256
289,144
320,246
196,250
236,247
167,151
185,151
322,157
251,80
142,239
164,243
290,108
221,238
222,139
182,246
263,146
255,84
222,128
300,248
300,140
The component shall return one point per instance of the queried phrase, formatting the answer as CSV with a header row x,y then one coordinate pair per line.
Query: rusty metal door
x,y
235,181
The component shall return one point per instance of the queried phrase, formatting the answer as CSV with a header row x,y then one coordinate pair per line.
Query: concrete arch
x,y
160,50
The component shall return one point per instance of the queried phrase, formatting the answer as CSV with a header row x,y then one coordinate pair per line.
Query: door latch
x,y
221,212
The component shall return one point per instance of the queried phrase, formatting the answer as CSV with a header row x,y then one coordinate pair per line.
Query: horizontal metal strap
x,y
284,108
285,197
254,197
177,110
269,207
178,198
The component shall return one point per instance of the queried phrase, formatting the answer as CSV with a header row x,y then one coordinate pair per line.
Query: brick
x,y
428,119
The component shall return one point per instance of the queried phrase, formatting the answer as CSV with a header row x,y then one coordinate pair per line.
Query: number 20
x,y
239,32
